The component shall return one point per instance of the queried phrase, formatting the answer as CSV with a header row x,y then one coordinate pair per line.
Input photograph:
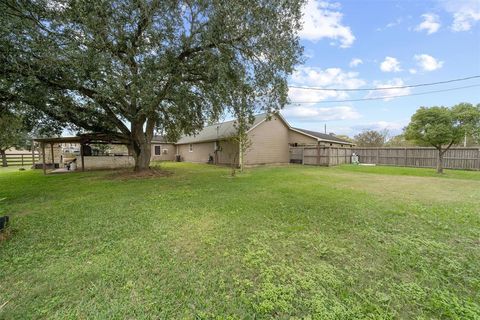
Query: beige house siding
x,y
269,143
199,153
169,148
229,152
300,139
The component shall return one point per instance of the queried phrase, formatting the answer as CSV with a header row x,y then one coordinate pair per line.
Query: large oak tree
x,y
129,67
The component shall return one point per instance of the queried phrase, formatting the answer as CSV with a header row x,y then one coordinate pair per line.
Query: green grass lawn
x,y
306,242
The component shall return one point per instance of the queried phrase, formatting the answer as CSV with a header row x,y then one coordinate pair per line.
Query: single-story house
x,y
270,139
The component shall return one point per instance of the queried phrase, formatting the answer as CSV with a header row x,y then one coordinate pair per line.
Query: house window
x,y
190,147
157,150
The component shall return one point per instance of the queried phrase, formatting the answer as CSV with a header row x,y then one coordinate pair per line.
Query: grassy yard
x,y
305,242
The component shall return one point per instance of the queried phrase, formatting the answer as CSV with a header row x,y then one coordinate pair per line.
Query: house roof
x,y
322,136
218,131
159,139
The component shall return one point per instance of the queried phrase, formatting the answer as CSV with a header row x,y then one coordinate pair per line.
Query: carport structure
x,y
82,139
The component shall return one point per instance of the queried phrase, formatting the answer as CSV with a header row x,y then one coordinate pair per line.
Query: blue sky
x,y
374,44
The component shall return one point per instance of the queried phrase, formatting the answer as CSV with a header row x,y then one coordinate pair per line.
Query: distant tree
x,y
399,141
371,138
442,127
344,137
12,134
128,67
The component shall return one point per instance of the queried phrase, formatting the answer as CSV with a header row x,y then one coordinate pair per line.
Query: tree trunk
x,y
142,149
142,158
4,158
440,161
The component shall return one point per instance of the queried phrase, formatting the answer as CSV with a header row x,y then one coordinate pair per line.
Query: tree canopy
x,y
12,133
128,67
371,138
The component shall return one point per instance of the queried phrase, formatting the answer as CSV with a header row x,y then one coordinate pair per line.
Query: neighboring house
x,y
302,137
270,139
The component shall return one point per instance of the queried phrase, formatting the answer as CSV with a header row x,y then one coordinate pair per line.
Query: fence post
x,y
318,154
378,155
22,160
43,156
478,157
33,154
303,155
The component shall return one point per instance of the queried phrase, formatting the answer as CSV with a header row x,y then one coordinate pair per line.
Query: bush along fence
x,y
454,158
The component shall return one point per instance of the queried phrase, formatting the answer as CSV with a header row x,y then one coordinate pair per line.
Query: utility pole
x,y
325,128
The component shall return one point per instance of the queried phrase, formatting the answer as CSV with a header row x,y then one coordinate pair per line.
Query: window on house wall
x,y
190,147
157,150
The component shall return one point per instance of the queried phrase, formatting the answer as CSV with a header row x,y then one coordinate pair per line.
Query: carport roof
x,y
87,138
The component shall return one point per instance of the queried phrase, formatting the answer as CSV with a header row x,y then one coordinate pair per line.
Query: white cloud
x,y
392,24
390,64
466,13
355,62
388,94
427,62
322,78
392,127
431,23
309,113
412,70
321,19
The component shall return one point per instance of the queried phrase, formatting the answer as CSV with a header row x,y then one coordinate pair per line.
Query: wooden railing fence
x,y
21,159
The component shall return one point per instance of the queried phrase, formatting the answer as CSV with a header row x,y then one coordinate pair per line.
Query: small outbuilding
x,y
52,157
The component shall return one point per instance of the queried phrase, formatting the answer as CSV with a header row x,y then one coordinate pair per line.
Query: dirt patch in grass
x,y
5,234
146,174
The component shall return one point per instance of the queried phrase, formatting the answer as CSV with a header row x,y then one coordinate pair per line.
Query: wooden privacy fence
x,y
320,156
22,159
454,158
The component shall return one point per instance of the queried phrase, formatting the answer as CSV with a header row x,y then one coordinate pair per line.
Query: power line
x,y
388,88
385,97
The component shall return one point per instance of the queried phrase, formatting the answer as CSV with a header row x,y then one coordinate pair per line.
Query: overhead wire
x,y
386,97
387,88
